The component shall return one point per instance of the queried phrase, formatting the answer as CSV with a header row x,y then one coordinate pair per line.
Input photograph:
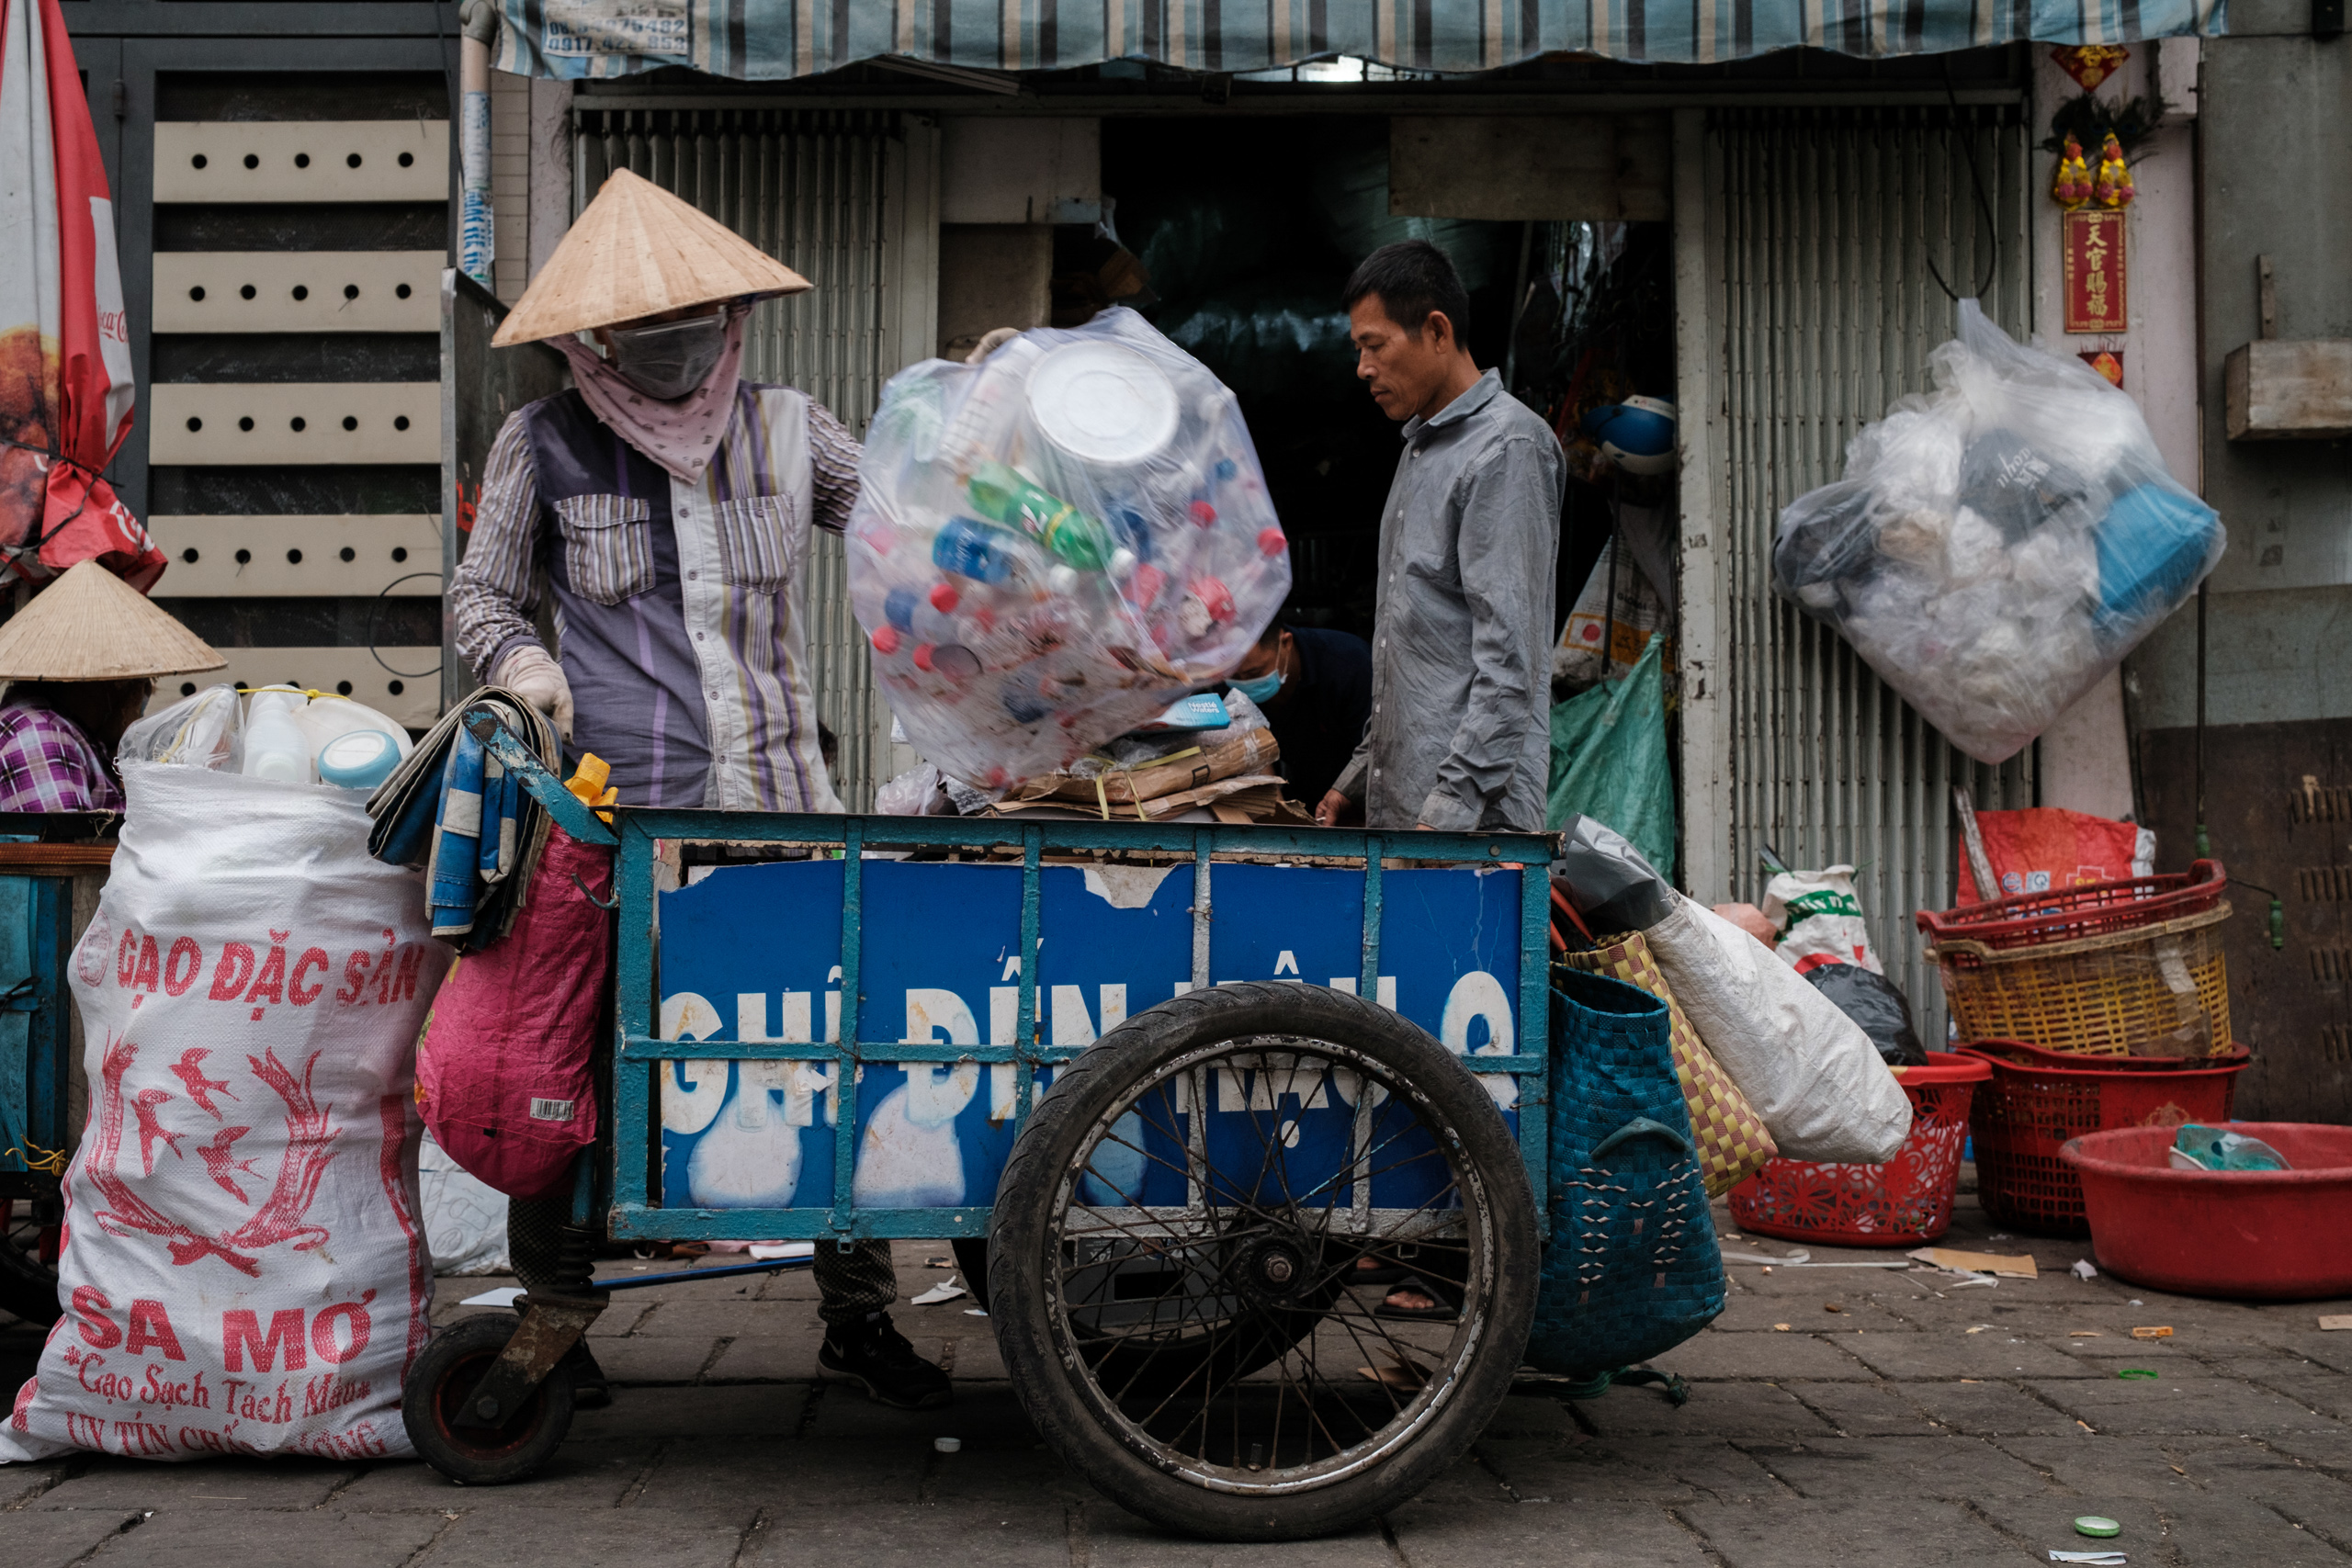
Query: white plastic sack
x,y
1052,546
1819,918
1997,547
465,1217
1809,1070
243,1270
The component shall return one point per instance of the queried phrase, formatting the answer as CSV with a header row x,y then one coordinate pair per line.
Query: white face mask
x,y
668,359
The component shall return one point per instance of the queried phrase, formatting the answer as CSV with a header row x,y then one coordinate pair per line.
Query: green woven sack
x,y
1609,759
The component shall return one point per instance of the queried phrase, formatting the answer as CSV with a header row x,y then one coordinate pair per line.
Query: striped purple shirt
x,y
47,764
680,609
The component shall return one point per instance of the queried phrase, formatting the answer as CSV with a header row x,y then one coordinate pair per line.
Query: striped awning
x,y
777,39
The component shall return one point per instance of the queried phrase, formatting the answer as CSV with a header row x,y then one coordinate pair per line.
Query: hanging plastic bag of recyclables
x,y
1999,544
1052,546
244,1272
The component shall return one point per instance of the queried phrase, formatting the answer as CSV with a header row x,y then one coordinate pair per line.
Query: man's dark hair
x,y
1273,634
1412,279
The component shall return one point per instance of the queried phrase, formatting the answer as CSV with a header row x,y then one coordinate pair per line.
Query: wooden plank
x,y
413,699
348,557
2289,390
293,160
1538,167
350,422
298,291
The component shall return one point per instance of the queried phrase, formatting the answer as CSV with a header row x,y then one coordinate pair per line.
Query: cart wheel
x,y
27,1286
1175,1296
434,1396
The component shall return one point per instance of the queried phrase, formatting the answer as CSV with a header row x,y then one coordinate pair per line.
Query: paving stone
x,y
2093,1467
653,1360
738,1313
619,1318
1776,1356
1988,1409
1663,1470
2201,1405
978,1472
2332,1350
1747,1313
1716,1410
1959,1354
1531,1415
734,1479
20,1484
763,1410
1013,1533
245,1484
976,1358
1865,1409
982,1413
1588,1534
1863,1468
2302,1492
2328,1393
2222,1529
1795,1533
46,1540
608,1538
1114,1538
584,1473
766,1357
334,1538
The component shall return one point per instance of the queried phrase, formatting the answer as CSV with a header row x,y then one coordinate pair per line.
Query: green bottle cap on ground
x,y
2091,1524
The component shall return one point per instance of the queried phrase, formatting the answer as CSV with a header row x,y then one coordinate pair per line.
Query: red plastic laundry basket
x,y
2038,1099
1904,1202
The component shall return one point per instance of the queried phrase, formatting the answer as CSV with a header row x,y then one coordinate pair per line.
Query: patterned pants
x,y
850,1285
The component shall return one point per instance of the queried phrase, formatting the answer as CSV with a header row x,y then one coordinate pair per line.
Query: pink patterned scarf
x,y
679,436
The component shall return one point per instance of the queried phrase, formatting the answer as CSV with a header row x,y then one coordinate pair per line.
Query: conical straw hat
x,y
89,625
638,251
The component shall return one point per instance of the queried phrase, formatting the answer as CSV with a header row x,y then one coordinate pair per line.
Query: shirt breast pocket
x,y
759,542
608,545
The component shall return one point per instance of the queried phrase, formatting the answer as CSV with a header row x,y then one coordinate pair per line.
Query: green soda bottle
x,y
1003,496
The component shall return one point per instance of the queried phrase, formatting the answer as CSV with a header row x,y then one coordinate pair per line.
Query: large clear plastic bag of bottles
x,y
2000,544
1051,546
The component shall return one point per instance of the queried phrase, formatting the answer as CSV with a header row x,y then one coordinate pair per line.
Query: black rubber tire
x,y
1022,1255
27,1286
453,1362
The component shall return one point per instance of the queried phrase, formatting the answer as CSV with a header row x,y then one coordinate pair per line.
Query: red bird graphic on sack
x,y
279,1217
189,1070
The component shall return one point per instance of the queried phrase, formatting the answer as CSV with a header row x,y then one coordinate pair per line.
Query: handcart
x,y
1203,1091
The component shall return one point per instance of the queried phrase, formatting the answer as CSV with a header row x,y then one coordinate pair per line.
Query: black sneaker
x,y
877,1357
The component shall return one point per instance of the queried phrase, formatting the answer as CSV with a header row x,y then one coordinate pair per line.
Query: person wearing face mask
x,y
1315,688
665,505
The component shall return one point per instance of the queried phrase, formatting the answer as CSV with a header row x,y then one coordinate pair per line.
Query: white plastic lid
x,y
1104,402
360,758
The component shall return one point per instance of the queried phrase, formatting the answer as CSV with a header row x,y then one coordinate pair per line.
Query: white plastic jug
x,y
275,747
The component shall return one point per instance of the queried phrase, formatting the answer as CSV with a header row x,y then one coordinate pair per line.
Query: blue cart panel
x,y
752,953
976,968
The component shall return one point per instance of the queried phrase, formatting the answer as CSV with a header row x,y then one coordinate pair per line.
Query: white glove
x,y
531,676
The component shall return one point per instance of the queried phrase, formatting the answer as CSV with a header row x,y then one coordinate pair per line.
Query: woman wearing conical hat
x,y
665,503
81,661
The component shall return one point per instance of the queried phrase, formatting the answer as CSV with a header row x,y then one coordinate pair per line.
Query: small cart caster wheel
x,y
433,1399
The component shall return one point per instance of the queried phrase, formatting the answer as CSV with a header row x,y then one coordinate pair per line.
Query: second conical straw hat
x,y
638,251
90,624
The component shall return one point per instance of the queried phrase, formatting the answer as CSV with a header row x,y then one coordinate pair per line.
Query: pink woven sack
x,y
504,1073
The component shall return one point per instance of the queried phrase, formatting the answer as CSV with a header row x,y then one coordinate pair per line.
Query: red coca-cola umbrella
x,y
65,385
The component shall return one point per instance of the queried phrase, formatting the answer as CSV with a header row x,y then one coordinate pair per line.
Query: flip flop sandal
x,y
1442,1313
1379,1274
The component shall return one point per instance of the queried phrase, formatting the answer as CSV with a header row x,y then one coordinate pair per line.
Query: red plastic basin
x,y
2250,1235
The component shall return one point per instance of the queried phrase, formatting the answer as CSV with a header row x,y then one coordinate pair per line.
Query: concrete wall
x,y
2275,147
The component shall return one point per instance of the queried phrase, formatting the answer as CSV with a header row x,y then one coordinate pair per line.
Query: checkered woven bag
x,y
1733,1143
1632,1269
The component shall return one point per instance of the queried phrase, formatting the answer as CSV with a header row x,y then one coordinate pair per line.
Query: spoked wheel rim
x,y
1202,1282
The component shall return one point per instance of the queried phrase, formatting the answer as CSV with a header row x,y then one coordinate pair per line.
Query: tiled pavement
x,y
1894,1420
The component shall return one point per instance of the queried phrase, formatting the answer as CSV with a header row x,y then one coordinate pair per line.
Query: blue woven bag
x,y
1633,1268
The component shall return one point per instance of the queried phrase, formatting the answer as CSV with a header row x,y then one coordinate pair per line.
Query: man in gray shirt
x,y
1460,737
